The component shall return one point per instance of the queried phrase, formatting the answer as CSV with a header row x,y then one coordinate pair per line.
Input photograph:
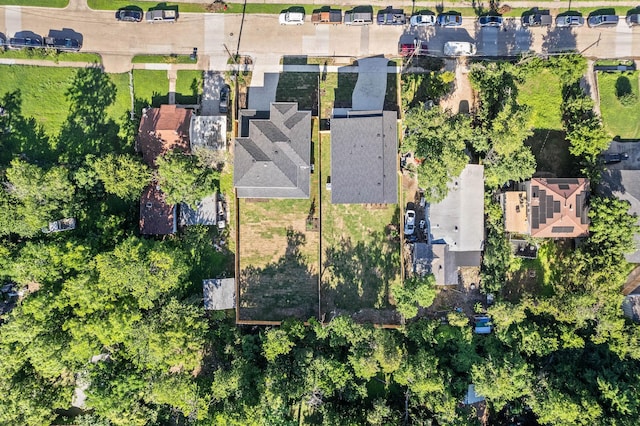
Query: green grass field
x,y
542,92
122,104
618,119
188,86
40,3
162,59
51,55
150,87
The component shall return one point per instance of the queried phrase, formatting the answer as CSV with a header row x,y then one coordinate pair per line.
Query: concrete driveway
x,y
371,87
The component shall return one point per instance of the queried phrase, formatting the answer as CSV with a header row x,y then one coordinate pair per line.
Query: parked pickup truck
x,y
357,17
162,16
62,44
327,16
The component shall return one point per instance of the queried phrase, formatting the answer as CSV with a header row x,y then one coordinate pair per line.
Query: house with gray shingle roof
x,y
364,156
272,156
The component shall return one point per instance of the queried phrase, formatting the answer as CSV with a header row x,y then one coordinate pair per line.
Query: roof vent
x,y
149,205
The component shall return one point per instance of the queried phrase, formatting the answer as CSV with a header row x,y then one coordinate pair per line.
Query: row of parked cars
x,y
158,15
61,44
392,16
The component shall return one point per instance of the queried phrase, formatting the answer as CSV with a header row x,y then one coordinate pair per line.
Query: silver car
x,y
569,21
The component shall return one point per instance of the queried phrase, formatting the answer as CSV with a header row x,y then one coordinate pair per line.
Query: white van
x,y
459,48
291,18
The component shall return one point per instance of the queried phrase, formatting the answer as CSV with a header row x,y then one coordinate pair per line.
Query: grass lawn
x,y
336,90
122,104
50,55
542,92
150,87
619,120
279,255
300,87
43,92
163,59
188,86
40,3
361,259
533,276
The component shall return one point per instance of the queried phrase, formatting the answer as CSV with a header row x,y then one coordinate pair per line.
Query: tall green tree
x,y
184,179
438,139
122,175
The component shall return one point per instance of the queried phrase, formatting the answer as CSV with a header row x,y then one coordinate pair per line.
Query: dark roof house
x,y
162,130
156,216
558,207
204,213
364,148
273,158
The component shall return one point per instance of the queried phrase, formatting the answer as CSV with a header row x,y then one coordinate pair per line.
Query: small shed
x,y
219,294
631,307
472,397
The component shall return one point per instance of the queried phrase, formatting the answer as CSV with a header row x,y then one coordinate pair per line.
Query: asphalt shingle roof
x,y
364,147
272,159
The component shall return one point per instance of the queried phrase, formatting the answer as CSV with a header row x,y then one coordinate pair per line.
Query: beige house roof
x,y
558,207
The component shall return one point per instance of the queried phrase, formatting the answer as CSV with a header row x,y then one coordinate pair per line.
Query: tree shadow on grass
x,y
22,136
87,129
283,289
357,275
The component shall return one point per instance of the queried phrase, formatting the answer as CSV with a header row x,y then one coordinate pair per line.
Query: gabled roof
x,y
364,148
443,263
219,294
156,216
458,220
162,130
558,207
273,160
443,266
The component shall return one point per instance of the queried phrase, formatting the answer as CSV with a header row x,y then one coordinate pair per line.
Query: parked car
x,y
416,48
449,20
21,43
291,18
633,19
490,21
61,225
615,157
128,15
224,98
409,222
602,20
391,16
162,15
541,18
358,16
62,44
459,48
422,20
569,21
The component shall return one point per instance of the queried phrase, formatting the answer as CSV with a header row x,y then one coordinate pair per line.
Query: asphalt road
x,y
265,40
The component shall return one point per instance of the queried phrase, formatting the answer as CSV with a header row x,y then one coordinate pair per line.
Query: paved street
x,y
266,41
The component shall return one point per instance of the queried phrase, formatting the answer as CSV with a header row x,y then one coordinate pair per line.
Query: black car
x,y
615,157
62,44
224,98
21,43
390,16
128,15
602,20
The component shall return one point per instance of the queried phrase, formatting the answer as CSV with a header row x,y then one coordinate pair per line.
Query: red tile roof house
x,y
556,208
161,130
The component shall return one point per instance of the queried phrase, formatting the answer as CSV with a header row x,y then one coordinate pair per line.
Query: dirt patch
x,y
462,99
463,297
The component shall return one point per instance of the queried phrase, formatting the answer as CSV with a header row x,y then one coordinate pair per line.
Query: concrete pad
x,y
317,44
371,87
158,67
624,39
264,82
214,41
488,41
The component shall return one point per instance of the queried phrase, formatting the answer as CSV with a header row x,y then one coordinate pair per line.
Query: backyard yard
x,y
620,103
361,255
279,255
150,88
188,86
542,93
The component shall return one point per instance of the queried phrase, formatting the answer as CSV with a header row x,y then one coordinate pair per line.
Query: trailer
x,y
327,16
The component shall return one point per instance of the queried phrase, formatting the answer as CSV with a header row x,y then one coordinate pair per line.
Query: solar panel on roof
x,y
556,206
535,221
543,206
562,229
563,186
560,181
550,206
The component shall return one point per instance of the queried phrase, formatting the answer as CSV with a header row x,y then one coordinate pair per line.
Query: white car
x,y
422,20
409,222
291,18
459,48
